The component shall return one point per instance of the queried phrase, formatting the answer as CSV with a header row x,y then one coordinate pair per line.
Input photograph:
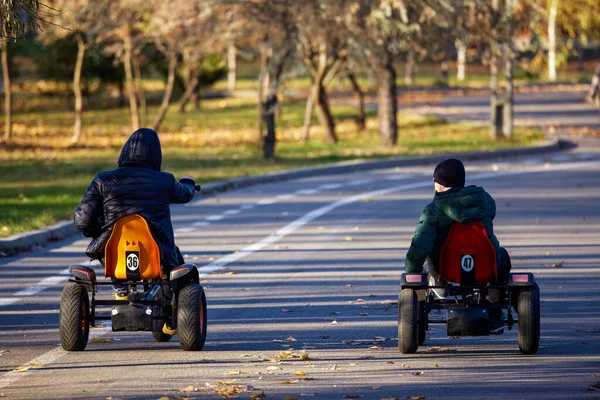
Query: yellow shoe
x,y
120,294
168,331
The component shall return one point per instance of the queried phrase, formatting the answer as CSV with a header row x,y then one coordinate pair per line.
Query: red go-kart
x,y
468,261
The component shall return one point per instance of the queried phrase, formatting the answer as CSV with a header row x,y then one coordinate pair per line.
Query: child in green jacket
x,y
452,202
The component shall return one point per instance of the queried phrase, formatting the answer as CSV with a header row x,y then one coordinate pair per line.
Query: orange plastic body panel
x,y
131,252
468,256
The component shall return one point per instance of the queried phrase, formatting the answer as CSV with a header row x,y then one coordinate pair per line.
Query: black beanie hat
x,y
450,173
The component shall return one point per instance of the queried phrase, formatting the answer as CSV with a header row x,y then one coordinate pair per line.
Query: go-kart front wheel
x,y
529,320
74,321
191,317
408,324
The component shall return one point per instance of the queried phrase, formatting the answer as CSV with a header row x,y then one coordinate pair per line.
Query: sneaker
x,y
441,293
168,330
120,293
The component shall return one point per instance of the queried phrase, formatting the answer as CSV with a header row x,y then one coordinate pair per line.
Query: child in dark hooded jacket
x,y
137,186
452,202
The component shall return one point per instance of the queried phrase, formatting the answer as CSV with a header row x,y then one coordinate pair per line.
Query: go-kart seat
x,y
131,252
468,257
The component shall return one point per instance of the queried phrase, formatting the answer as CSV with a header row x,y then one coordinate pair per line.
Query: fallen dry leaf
x,y
349,285
300,373
231,273
289,382
234,373
348,238
226,383
258,396
290,398
559,264
99,340
190,388
435,365
21,369
418,373
36,365
418,397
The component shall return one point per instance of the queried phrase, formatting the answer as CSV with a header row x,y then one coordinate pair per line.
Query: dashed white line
x,y
232,212
285,196
398,177
265,202
201,223
307,191
359,182
330,186
185,229
44,284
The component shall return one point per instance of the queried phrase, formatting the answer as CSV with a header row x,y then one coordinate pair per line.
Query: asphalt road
x,y
302,297
545,107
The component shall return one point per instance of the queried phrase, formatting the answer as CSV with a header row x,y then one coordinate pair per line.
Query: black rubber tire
x,y
157,331
191,317
529,320
408,325
74,317
422,318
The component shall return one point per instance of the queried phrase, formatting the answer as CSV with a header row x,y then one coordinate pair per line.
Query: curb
x,y
28,240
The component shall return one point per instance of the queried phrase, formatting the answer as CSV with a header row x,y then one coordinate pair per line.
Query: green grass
x,y
42,179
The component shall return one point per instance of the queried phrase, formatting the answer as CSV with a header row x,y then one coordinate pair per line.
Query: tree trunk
x,y
507,130
140,92
190,91
262,76
461,50
7,92
310,105
495,131
164,106
387,109
360,99
324,114
133,108
552,40
231,64
77,88
409,73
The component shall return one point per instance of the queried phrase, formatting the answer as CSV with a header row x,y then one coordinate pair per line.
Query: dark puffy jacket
x,y
466,204
136,187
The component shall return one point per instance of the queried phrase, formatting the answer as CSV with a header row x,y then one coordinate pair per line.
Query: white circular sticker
x,y
132,262
467,262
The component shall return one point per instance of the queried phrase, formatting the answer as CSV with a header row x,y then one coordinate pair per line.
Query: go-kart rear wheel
x,y
74,317
422,318
157,331
408,324
529,320
191,317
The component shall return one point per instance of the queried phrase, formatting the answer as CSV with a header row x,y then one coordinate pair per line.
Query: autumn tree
x,y
81,19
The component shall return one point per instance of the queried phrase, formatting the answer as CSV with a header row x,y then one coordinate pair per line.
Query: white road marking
x,y
49,357
285,196
307,191
185,229
214,218
201,223
359,182
232,212
561,158
8,301
265,202
330,186
44,284
45,359
398,177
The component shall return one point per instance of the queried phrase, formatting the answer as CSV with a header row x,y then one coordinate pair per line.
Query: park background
x,y
79,76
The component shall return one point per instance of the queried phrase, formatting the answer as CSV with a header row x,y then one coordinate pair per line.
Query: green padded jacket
x,y
466,204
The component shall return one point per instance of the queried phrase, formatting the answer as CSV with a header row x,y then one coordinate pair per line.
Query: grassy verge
x,y
42,179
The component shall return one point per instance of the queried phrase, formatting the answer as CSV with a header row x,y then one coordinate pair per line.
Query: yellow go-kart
x,y
164,306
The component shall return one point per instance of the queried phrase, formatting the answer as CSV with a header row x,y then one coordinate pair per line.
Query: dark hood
x,y
142,148
467,204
